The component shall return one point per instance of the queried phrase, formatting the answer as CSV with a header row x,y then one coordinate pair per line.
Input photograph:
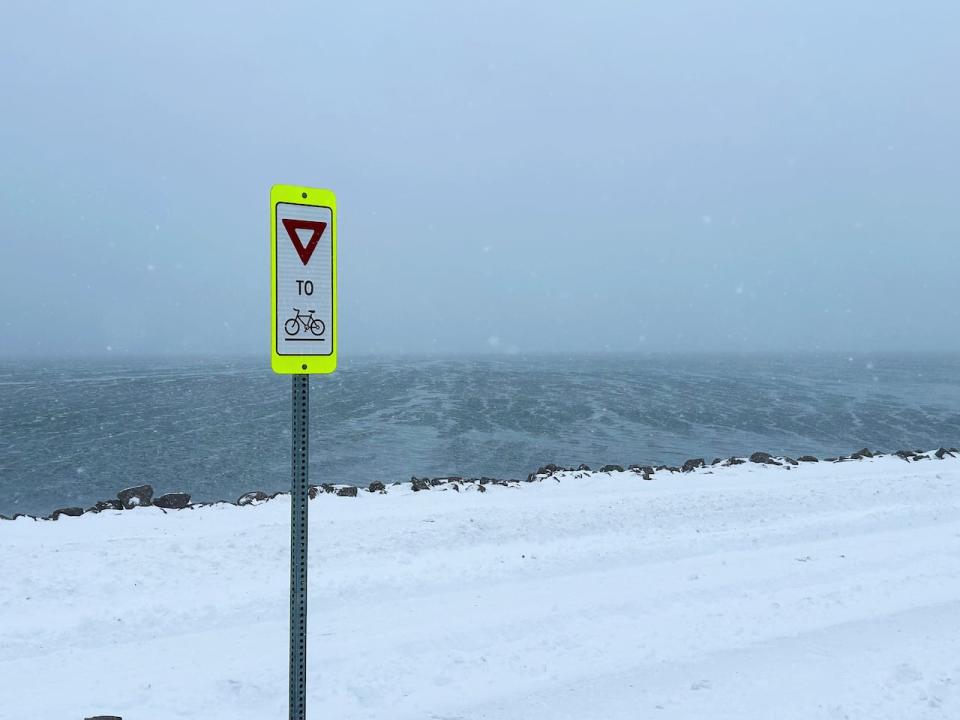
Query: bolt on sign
x,y
303,232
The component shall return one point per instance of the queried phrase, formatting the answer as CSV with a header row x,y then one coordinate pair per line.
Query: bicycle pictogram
x,y
306,322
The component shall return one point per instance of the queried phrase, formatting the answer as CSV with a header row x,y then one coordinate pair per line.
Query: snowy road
x,y
822,591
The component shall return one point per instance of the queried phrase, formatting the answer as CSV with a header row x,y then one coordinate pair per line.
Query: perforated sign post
x,y
303,341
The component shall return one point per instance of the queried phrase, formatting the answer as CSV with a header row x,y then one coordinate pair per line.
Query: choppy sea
x,y
76,432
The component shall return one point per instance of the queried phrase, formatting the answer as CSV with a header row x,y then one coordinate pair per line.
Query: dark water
x,y
74,433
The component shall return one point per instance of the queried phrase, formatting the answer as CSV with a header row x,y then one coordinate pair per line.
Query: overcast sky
x,y
524,177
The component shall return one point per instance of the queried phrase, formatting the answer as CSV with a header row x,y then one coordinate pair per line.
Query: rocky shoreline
x,y
143,495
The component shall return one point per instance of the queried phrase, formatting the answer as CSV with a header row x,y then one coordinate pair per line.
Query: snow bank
x,y
822,590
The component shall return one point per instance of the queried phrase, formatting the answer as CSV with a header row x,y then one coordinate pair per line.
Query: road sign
x,y
303,261
303,340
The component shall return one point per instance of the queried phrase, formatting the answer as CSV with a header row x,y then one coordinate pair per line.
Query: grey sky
x,y
531,176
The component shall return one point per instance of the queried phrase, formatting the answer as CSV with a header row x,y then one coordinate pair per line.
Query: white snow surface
x,y
828,590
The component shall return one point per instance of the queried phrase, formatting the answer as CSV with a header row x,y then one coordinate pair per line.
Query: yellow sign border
x,y
301,364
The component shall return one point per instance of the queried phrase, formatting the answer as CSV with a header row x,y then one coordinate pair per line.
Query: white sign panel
x,y
305,280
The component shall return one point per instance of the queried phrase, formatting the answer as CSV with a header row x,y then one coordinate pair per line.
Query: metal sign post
x,y
299,498
303,341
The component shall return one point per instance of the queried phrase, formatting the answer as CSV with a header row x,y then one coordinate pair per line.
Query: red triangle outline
x,y
292,226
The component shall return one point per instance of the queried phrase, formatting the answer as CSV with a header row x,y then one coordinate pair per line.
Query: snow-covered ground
x,y
828,590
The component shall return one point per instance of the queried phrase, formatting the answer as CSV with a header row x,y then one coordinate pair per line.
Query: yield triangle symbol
x,y
315,225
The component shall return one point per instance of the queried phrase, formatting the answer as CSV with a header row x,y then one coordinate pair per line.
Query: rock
x,y
647,476
611,468
485,480
104,717
763,458
807,458
377,486
545,471
717,461
417,484
790,460
68,511
583,467
258,496
436,481
107,505
350,491
172,501
635,468
942,453
136,496
862,453
734,461
455,486
481,488
692,464
905,454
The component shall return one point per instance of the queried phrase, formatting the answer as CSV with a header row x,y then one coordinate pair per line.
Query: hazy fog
x,y
511,177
